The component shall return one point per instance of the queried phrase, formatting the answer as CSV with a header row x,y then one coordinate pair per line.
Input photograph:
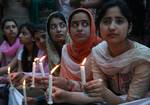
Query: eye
x,y
106,21
7,27
85,23
74,24
120,21
53,26
14,26
62,25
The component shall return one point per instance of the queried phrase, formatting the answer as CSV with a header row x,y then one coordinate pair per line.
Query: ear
x,y
130,28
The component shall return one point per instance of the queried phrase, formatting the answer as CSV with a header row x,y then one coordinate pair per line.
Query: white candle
x,y
41,69
50,84
33,74
50,101
9,77
82,69
83,77
24,92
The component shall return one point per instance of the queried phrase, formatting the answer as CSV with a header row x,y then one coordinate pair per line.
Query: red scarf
x,y
78,51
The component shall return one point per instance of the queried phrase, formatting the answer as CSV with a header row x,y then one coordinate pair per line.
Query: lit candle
x,y
33,73
50,101
9,77
41,65
82,68
24,92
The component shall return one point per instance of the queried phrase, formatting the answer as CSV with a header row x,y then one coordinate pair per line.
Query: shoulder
x,y
102,45
100,49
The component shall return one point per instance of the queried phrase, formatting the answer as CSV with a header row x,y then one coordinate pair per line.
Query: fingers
x,y
94,88
95,93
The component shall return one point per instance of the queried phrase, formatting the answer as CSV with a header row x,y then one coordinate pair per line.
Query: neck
x,y
11,40
29,47
119,48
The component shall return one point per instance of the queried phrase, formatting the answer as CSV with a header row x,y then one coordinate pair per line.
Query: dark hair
x,y
3,24
39,28
114,3
54,15
27,64
29,26
7,20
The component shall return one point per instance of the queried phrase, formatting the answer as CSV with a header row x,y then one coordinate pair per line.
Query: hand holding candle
x,y
9,77
50,101
24,92
82,68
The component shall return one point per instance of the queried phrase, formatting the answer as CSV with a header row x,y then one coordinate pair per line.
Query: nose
x,y
80,27
58,29
112,26
11,28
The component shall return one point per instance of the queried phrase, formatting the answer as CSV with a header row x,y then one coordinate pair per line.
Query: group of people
x,y
115,65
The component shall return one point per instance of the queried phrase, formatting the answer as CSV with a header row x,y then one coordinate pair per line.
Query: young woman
x,y
10,45
120,66
40,40
8,51
29,51
82,32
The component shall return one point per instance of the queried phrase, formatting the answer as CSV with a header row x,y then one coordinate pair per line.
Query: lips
x,y
79,35
112,35
12,33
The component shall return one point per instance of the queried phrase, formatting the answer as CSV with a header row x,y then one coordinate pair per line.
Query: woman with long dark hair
x,y
29,51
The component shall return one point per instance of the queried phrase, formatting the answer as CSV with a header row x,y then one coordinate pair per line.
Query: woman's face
x,y
114,26
10,29
40,39
25,36
58,30
80,27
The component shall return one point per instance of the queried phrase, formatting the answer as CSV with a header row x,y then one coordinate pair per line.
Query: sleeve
x,y
140,82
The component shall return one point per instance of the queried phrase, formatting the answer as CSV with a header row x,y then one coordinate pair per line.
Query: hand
x,y
30,101
41,82
59,95
61,82
95,88
17,78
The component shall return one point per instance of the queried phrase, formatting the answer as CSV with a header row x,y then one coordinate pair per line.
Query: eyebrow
x,y
118,17
56,23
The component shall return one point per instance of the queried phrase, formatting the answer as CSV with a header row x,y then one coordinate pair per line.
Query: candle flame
x,y
24,82
42,58
9,70
83,62
52,71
